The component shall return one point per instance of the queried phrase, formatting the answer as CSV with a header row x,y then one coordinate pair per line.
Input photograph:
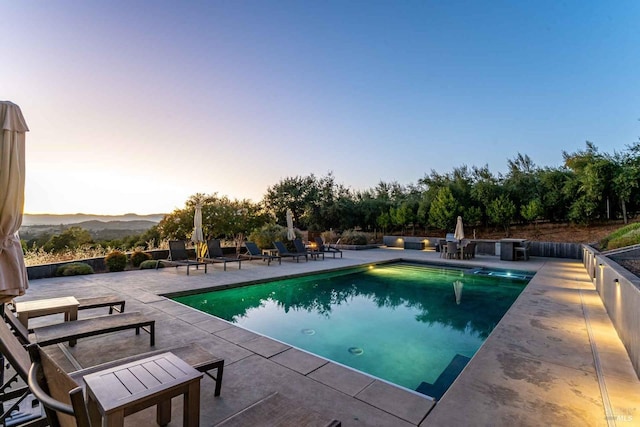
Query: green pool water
x,y
411,325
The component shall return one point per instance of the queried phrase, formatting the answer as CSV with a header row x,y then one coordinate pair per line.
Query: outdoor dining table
x,y
507,248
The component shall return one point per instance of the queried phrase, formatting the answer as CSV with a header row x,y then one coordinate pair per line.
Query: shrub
x,y
138,257
351,237
267,234
329,237
74,269
116,261
150,263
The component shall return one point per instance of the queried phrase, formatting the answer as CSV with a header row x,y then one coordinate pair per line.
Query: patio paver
x,y
537,367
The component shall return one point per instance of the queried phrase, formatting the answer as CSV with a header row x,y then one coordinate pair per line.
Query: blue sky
x,y
133,106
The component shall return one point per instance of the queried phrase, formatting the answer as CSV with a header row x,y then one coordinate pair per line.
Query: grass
x,y
628,235
38,256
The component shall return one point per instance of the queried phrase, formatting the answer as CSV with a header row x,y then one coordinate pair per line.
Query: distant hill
x,y
99,230
48,219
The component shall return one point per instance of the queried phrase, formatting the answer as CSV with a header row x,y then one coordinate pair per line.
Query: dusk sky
x,y
133,106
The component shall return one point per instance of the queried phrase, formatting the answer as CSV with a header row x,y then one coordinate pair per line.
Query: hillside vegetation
x,y
628,235
99,230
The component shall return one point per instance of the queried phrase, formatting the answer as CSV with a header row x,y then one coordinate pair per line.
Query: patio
x,y
553,359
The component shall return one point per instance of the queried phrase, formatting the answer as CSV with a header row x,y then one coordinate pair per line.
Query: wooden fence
x,y
556,250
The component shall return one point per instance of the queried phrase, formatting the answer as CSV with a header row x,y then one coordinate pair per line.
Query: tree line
x,y
590,186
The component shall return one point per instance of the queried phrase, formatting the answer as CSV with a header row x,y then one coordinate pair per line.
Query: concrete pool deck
x,y
554,359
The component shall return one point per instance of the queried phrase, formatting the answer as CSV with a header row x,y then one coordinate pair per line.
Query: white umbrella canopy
x,y
13,273
459,233
197,237
291,234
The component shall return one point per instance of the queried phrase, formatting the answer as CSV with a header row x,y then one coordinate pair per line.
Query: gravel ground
x,y
633,265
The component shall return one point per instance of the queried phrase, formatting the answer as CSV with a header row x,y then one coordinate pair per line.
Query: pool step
x,y
446,378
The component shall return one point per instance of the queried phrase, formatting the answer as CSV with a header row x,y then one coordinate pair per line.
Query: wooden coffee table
x,y
122,390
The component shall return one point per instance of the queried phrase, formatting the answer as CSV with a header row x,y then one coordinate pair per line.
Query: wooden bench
x,y
114,302
277,410
193,354
83,328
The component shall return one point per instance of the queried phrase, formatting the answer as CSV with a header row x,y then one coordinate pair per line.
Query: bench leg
x,y
115,307
219,380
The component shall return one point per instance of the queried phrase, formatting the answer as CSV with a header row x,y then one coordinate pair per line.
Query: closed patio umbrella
x,y
459,233
13,273
197,237
291,234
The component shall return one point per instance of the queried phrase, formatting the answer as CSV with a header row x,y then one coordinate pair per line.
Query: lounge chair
x,y
215,255
58,393
12,390
253,252
327,249
178,257
300,248
284,252
83,328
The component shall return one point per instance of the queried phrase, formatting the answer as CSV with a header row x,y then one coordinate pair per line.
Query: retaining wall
x,y
619,290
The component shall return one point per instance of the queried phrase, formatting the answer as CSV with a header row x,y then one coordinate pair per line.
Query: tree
x,y
501,212
444,210
221,218
485,189
384,221
627,176
401,216
554,200
591,185
521,182
71,238
531,211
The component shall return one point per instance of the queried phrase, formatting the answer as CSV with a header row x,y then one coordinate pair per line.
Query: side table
x,y
119,391
43,307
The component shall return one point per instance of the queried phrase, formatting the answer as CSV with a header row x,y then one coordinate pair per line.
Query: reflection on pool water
x,y
411,325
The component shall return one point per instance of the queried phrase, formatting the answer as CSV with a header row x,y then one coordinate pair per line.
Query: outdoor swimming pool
x,y
412,325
